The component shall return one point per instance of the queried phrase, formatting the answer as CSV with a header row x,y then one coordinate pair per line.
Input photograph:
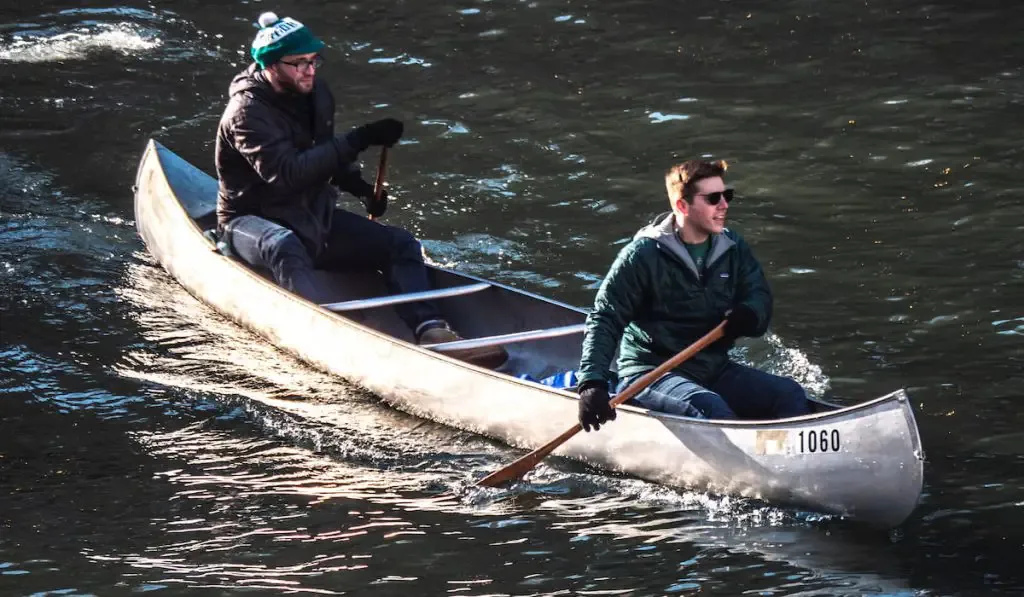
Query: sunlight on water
x,y
402,59
236,493
18,181
78,43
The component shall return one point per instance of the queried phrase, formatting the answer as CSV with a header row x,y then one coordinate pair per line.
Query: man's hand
x,y
385,132
595,409
741,321
375,208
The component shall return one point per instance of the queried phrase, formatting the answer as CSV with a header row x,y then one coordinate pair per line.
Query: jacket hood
x,y
250,80
252,83
662,230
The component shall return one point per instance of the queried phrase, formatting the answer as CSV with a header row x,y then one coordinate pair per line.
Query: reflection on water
x,y
236,493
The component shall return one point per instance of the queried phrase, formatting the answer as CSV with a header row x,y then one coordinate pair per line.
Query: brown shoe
x,y
490,357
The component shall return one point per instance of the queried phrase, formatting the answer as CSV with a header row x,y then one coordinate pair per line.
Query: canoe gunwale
x,y
839,412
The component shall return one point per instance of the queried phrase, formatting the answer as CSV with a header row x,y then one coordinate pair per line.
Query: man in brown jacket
x,y
280,167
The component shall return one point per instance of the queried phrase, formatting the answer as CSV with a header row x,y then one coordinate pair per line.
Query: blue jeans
x,y
740,392
353,243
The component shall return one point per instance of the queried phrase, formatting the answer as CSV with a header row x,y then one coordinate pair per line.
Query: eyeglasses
x,y
304,64
714,198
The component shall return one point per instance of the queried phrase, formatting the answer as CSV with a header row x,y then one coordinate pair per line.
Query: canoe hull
x,y
865,461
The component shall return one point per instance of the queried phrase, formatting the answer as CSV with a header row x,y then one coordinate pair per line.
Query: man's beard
x,y
292,86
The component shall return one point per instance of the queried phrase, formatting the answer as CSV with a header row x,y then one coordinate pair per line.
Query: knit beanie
x,y
281,37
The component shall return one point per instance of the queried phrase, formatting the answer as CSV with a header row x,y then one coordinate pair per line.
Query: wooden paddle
x,y
378,184
525,464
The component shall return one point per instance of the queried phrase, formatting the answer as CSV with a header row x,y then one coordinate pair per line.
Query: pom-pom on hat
x,y
281,37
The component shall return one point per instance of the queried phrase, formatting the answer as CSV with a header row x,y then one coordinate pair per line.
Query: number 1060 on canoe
x,y
824,440
809,441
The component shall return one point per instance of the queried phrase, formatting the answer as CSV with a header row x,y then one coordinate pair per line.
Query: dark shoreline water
x,y
146,444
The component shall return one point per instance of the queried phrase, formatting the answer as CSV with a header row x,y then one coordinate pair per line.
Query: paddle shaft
x,y
378,184
525,464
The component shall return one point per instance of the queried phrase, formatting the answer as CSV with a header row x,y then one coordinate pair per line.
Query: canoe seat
x,y
500,339
410,297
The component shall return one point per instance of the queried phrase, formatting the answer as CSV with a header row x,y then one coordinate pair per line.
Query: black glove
x,y
595,409
374,207
741,321
384,132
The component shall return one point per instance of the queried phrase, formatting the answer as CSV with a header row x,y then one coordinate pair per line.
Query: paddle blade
x,y
517,469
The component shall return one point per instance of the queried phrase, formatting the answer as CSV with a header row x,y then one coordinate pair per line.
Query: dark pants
x,y
354,243
740,392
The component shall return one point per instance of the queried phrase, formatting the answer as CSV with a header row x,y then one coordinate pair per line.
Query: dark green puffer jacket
x,y
654,300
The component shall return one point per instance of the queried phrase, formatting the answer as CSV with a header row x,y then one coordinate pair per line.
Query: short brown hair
x,y
680,179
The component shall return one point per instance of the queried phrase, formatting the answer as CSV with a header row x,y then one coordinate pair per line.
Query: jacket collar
x,y
664,231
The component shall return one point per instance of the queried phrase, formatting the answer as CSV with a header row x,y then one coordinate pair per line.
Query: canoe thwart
x,y
410,297
564,330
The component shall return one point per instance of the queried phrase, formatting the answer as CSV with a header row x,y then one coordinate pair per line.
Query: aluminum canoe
x,y
863,461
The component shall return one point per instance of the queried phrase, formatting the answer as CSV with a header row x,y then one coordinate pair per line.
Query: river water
x,y
149,445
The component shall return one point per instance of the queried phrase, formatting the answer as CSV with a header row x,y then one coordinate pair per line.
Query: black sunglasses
x,y
303,64
714,198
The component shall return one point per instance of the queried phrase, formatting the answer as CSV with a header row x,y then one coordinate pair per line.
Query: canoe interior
x,y
497,310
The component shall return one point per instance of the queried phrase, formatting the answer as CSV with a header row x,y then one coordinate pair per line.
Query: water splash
x,y
77,44
773,356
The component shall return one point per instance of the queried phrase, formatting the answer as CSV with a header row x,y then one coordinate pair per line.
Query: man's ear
x,y
681,205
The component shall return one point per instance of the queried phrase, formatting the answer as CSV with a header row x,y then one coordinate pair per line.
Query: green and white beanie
x,y
281,37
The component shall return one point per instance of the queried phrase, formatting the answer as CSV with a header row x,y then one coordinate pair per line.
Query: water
x,y
149,445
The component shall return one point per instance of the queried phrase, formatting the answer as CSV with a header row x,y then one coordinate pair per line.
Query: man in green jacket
x,y
679,278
